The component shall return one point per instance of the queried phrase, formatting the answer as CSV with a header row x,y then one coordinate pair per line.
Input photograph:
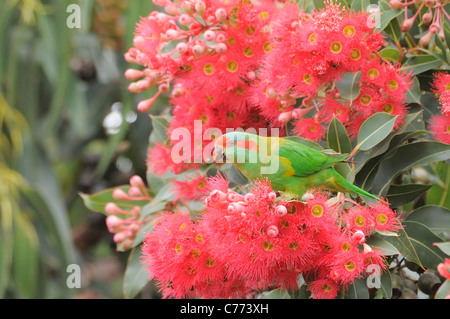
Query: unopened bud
x,y
250,197
221,14
272,231
285,117
119,194
112,208
134,192
185,19
209,35
181,47
427,17
113,223
218,196
407,24
281,210
133,75
271,196
198,49
235,208
234,197
200,8
307,196
221,48
136,181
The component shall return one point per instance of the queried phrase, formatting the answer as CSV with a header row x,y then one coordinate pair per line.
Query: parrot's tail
x,y
341,181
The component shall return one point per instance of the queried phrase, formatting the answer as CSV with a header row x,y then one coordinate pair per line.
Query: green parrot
x,y
291,167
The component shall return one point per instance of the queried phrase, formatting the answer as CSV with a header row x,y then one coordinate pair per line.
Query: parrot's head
x,y
235,147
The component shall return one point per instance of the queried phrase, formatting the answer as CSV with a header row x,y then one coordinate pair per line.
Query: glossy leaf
x,y
436,218
357,290
399,195
443,291
348,86
337,137
136,276
384,246
374,130
422,63
444,247
405,157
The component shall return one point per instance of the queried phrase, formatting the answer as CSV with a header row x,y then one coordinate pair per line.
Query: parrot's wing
x,y
305,160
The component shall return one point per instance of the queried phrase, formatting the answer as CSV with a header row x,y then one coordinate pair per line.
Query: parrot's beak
x,y
219,155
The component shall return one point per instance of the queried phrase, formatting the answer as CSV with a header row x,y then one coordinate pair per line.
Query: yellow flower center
x,y
350,265
178,249
393,85
294,245
365,99
349,31
388,108
268,245
307,78
360,221
355,55
268,46
345,247
210,262
250,30
312,38
317,210
208,68
232,66
382,219
336,47
326,288
248,52
373,73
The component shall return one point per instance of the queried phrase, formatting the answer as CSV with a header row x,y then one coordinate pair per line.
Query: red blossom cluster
x,y
251,241
440,124
253,64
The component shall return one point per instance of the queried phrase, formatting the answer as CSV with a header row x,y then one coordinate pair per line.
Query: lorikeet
x,y
291,167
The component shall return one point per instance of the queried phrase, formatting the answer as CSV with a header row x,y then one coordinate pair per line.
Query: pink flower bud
x,y
181,47
171,34
119,194
433,28
367,248
272,231
221,14
234,197
271,196
307,196
427,17
425,40
395,4
407,24
285,117
221,37
133,75
198,49
250,197
113,223
185,19
186,6
200,7
134,192
136,181
208,201
235,208
120,236
218,196
359,237
281,210
138,41
221,48
112,208
209,35
145,105
164,87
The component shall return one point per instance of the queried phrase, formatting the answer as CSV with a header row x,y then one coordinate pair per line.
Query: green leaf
x,y
447,34
25,257
423,239
164,195
381,244
358,289
413,94
348,86
159,129
444,247
337,137
439,194
399,195
97,201
421,63
405,157
360,5
136,276
374,130
386,284
393,31
443,291
436,218
390,54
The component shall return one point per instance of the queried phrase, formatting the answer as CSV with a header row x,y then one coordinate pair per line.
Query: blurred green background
x,y
68,125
